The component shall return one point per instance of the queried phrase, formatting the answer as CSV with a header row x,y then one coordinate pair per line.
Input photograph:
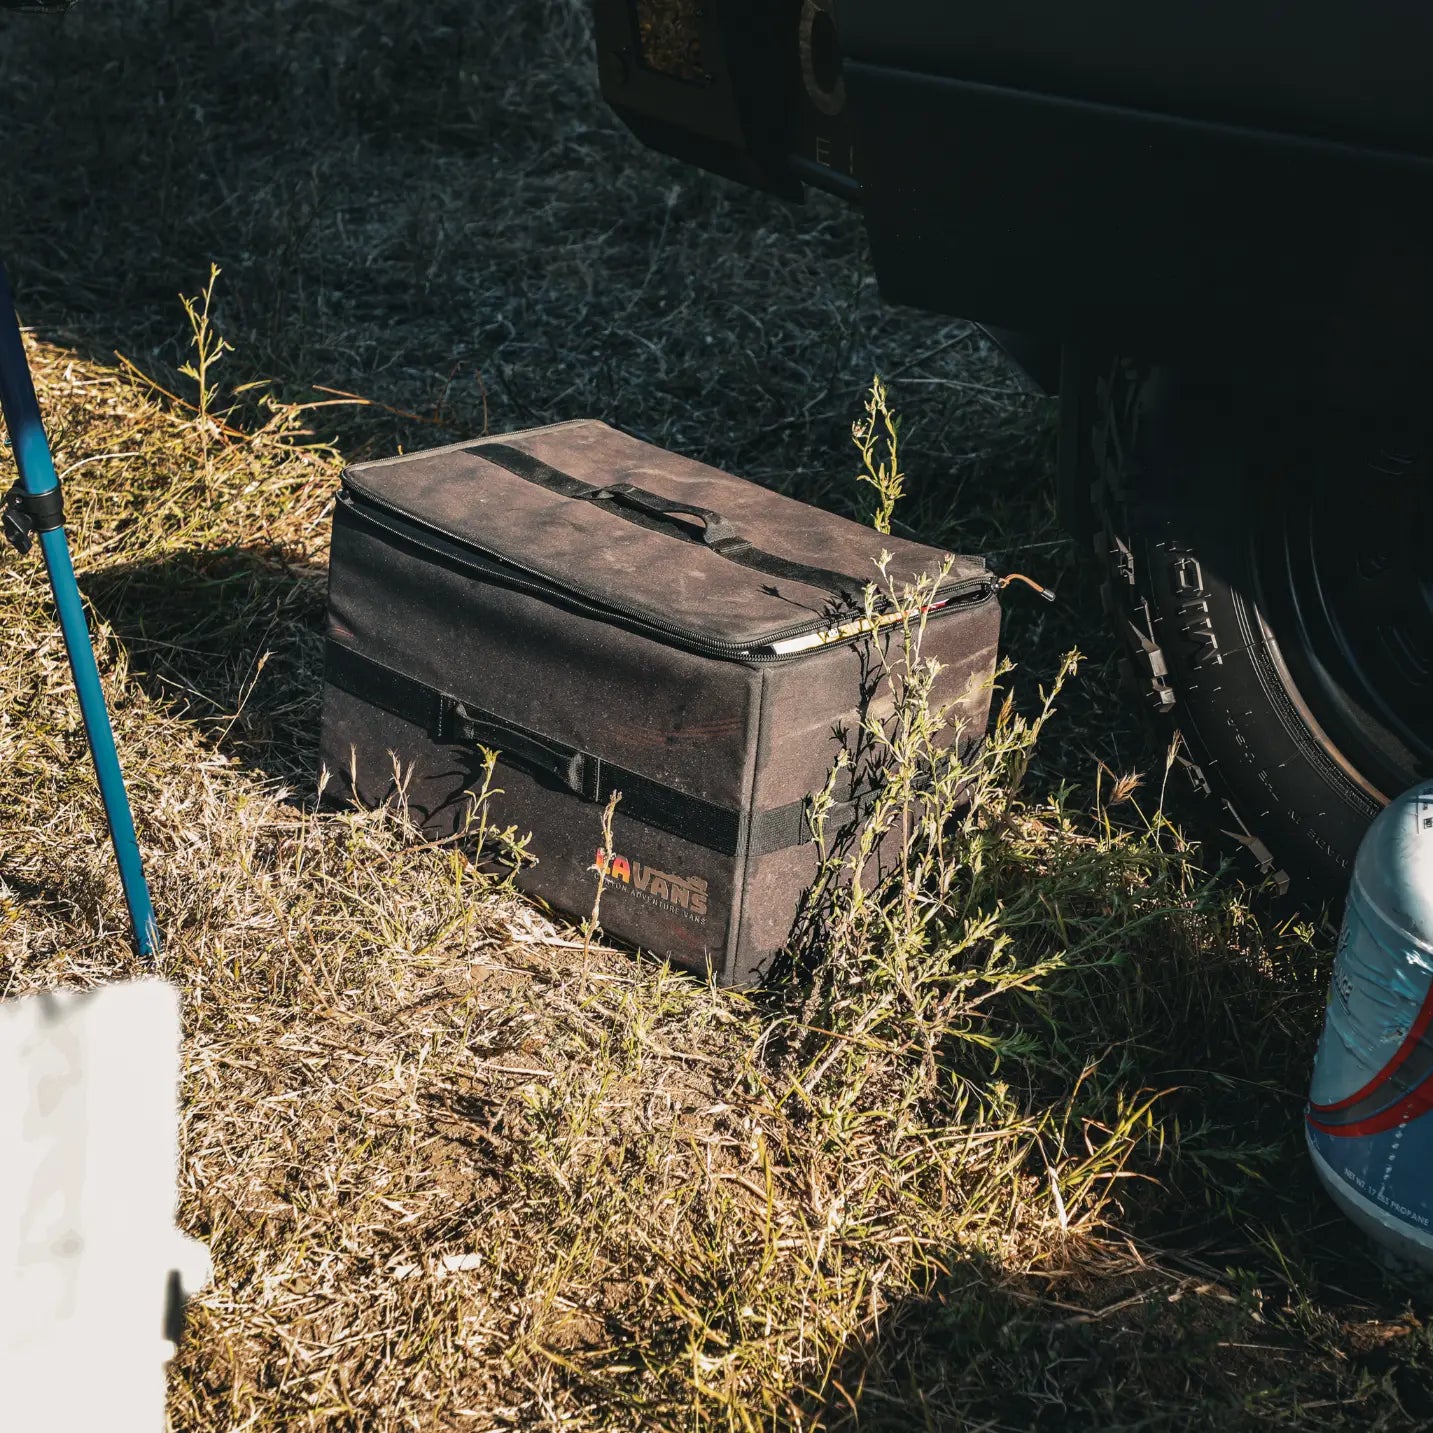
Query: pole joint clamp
x,y
27,513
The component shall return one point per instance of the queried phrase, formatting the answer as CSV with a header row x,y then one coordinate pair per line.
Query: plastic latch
x,y
28,513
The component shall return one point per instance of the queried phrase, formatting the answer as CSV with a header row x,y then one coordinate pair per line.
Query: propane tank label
x,y
1392,1171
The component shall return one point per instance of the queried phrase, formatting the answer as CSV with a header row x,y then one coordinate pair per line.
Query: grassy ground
x,y
1034,1163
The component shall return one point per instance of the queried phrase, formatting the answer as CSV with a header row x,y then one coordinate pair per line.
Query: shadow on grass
x,y
1141,1350
1200,1330
230,639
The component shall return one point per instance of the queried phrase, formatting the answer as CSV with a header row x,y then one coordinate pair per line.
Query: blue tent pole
x,y
36,506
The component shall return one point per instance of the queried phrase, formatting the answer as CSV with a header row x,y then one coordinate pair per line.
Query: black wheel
x,y
1270,571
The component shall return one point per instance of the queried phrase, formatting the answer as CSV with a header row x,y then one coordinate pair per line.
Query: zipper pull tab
x,y
1030,582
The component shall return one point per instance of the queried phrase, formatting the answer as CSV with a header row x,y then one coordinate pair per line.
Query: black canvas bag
x,y
613,617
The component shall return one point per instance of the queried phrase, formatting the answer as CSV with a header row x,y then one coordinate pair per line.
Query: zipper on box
x,y
522,578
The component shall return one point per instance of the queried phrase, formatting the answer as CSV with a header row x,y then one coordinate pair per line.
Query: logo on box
x,y
680,893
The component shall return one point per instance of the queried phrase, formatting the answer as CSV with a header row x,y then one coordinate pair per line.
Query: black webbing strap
x,y
446,719
654,511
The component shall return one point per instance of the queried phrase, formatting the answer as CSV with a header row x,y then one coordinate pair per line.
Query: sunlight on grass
x,y
1014,1144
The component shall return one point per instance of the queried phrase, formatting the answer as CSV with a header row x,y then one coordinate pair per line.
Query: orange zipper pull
x,y
1028,581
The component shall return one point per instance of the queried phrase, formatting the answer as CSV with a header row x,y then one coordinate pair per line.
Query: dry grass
x,y
1026,1157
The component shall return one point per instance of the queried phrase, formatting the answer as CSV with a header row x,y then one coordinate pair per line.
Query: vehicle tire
x,y
1270,572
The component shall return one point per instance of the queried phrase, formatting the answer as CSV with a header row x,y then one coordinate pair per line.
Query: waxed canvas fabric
x,y
601,643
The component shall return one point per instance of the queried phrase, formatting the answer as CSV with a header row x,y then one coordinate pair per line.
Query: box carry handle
x,y
716,533
444,718
457,723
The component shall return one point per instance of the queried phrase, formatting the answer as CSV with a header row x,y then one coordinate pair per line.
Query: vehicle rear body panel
x,y
1355,73
1243,185
1147,234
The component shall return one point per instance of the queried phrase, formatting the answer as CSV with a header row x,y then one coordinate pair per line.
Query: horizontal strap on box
x,y
652,510
446,719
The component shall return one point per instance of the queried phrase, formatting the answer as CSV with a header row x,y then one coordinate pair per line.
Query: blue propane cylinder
x,y
1370,1117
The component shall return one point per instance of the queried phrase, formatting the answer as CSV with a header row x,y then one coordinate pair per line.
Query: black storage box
x,y
613,617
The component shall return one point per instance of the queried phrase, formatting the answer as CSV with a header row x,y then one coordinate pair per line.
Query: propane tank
x,y
1370,1117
